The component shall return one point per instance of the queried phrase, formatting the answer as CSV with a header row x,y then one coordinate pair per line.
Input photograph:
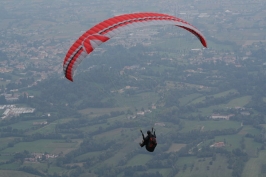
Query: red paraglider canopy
x,y
106,29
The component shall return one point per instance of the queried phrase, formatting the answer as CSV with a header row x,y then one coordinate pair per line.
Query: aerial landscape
x,y
206,104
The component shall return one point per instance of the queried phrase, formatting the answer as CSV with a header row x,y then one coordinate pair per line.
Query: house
x,y
218,144
218,116
159,124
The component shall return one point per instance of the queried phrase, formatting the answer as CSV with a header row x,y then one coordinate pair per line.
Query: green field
x,y
231,141
49,128
142,100
175,147
185,160
4,158
88,155
43,166
9,173
41,146
188,98
254,165
89,129
139,101
23,125
13,166
252,147
113,134
5,141
162,171
198,100
222,94
140,159
239,102
249,129
202,167
209,125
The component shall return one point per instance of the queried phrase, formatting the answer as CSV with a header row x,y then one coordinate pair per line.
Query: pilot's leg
x,y
141,144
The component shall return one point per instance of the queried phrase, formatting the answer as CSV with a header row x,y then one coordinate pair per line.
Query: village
x,y
38,157
47,52
12,110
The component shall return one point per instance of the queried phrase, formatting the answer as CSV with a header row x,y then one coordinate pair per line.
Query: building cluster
x,y
37,157
37,55
11,97
139,113
12,110
218,116
159,124
40,123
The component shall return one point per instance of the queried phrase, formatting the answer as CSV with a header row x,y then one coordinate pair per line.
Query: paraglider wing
x,y
105,30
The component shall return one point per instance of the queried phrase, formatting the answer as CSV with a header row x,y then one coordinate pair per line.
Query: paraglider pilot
x,y
149,141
